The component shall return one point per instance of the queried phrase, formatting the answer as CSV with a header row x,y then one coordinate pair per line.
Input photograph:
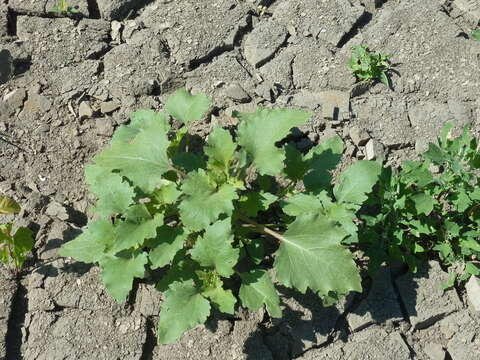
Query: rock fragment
x,y
359,136
434,351
262,43
335,105
374,150
84,110
237,93
473,292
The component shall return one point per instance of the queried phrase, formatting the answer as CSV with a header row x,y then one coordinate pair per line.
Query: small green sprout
x,y
261,10
476,34
13,247
63,7
369,66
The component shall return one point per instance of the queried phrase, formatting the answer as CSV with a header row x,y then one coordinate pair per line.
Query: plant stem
x,y
262,228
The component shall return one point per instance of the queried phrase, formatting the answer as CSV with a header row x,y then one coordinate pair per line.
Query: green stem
x,y
262,228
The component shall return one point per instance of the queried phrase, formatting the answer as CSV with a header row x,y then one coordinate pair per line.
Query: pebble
x,y
108,107
84,110
359,136
237,93
374,150
473,292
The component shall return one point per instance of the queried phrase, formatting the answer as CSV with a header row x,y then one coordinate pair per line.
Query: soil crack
x,y
16,322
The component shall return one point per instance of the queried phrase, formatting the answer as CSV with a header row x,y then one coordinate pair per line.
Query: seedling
x,y
216,222
476,34
368,66
13,247
63,7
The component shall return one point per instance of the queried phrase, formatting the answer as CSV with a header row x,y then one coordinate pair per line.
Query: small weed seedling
x,y
368,66
13,247
476,34
63,7
214,224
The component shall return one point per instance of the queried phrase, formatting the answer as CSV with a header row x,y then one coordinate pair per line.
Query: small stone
x,y
473,292
104,127
237,93
55,209
116,26
84,110
108,107
15,98
434,351
335,105
262,43
374,150
359,136
421,145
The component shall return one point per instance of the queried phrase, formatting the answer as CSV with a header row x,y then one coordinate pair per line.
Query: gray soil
x,y
74,80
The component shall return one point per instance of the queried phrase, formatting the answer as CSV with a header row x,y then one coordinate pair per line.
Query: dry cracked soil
x,y
75,79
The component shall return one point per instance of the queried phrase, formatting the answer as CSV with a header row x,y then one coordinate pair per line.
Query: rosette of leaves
x,y
215,222
13,246
367,66
422,213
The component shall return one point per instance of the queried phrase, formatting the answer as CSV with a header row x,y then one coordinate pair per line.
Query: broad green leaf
x,y
118,272
220,148
203,202
259,131
322,159
357,181
295,165
22,243
143,160
302,204
423,203
114,195
185,107
91,245
138,226
188,161
257,290
215,249
253,202
223,299
141,120
165,246
476,34
167,193
8,206
311,256
183,308
182,269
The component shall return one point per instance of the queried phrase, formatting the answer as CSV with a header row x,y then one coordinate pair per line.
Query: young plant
x,y
367,66
13,247
62,7
423,213
476,34
213,220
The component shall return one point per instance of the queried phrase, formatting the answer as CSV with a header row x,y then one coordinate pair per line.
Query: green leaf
x,y
295,165
183,308
302,204
188,161
357,181
114,195
311,256
142,120
259,131
220,148
185,107
167,193
138,226
322,159
22,243
118,272
253,202
8,206
476,34
92,244
257,290
182,269
423,203
223,299
214,249
166,245
143,160
203,202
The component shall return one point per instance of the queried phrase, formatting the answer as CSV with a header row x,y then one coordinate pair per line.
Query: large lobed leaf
x,y
143,159
311,256
214,249
257,290
204,202
183,308
185,107
259,131
357,181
